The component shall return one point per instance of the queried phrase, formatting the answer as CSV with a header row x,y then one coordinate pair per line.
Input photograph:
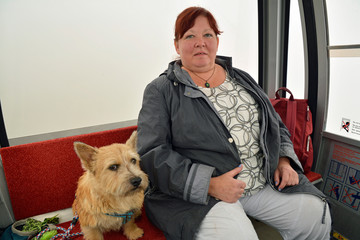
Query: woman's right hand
x,y
226,188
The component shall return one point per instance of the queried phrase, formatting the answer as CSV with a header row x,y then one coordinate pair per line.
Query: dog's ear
x,y
131,142
85,153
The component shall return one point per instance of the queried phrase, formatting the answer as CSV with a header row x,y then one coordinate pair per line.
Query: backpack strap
x,y
291,111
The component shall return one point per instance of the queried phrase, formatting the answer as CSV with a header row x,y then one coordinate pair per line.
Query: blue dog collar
x,y
126,216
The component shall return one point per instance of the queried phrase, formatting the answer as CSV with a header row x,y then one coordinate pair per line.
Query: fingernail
x,y
240,165
280,189
276,183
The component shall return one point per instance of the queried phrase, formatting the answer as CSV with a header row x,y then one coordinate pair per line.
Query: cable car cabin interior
x,y
77,71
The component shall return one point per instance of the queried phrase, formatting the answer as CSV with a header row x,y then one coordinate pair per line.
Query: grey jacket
x,y
183,142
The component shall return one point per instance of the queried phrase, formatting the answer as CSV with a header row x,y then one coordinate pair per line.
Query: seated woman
x,y
216,151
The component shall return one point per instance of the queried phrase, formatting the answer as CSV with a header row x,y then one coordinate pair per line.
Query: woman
x,y
216,151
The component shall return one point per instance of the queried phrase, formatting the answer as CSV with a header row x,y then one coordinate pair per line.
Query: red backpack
x,y
296,115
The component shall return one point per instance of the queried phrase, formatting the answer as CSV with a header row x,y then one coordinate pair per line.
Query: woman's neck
x,y
210,78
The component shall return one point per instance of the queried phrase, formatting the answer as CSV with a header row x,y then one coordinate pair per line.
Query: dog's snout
x,y
136,181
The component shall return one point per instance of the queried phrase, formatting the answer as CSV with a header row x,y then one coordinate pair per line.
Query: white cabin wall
x,y
69,64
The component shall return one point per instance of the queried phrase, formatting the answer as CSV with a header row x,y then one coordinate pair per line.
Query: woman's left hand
x,y
285,175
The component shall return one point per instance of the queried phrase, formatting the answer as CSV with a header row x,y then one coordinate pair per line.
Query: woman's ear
x,y
176,44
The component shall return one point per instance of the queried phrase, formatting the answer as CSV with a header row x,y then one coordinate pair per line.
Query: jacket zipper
x,y
308,137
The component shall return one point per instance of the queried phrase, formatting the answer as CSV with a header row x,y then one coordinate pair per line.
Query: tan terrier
x,y
110,193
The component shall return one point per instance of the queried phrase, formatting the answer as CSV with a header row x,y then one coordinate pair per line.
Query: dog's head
x,y
115,168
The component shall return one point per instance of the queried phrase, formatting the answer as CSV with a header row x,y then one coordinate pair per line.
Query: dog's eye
x,y
133,161
114,167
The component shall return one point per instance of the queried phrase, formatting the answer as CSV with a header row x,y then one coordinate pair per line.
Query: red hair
x,y
186,20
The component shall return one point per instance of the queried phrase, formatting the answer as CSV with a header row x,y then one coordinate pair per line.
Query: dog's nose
x,y
135,181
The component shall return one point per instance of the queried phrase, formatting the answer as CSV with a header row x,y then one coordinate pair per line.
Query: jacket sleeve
x,y
168,171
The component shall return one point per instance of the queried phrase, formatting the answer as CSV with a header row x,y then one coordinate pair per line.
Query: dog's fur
x,y
110,185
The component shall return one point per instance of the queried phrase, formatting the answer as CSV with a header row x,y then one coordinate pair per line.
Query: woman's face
x,y
198,47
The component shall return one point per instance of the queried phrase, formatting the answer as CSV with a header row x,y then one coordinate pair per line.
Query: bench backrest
x,y
42,176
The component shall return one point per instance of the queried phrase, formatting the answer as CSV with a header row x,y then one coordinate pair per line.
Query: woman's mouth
x,y
200,54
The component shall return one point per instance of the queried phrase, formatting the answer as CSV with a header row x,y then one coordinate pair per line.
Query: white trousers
x,y
296,216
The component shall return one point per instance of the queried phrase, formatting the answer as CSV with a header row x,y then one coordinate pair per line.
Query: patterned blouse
x,y
241,115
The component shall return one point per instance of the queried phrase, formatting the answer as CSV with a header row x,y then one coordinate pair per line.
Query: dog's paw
x,y
134,233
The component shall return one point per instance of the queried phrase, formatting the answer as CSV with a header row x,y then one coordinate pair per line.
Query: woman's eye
x,y
189,36
208,35
114,167
133,161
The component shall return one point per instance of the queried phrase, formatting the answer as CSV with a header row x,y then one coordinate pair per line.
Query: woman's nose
x,y
200,43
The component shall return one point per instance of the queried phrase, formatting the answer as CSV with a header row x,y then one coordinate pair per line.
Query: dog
x,y
110,193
